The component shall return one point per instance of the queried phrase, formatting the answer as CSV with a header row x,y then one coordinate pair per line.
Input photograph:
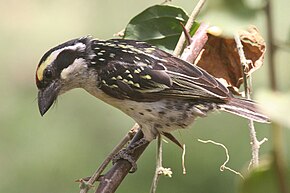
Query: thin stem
x,y
255,144
158,165
181,41
183,160
271,46
277,131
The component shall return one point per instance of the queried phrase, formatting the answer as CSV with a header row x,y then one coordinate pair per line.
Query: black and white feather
x,y
159,91
137,71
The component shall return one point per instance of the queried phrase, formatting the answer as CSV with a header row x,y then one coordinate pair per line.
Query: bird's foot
x,y
127,154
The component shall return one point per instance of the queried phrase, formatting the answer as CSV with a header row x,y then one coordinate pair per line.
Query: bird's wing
x,y
146,73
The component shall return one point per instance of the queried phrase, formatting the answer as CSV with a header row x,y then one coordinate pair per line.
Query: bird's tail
x,y
244,108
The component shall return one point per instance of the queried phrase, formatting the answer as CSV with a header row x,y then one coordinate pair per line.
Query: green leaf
x,y
275,105
158,25
262,179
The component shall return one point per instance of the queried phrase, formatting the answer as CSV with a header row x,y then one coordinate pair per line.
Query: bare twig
x,y
113,178
197,42
120,34
195,12
271,47
244,64
158,165
183,160
86,185
276,128
186,35
223,166
255,144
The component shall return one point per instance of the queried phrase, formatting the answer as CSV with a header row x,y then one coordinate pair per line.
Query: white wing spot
x,y
114,86
112,45
137,85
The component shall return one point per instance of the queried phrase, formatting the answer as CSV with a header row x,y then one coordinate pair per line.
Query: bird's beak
x,y
47,96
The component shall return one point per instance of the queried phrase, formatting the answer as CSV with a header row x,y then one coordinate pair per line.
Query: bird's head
x,y
60,69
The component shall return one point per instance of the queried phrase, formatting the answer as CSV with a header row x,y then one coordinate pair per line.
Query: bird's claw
x,y
126,155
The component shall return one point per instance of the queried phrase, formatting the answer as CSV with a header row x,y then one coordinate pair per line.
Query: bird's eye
x,y
47,74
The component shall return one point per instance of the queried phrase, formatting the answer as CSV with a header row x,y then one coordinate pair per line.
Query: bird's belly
x,y
162,116
165,115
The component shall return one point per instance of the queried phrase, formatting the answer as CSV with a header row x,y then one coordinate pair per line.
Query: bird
x,y
161,92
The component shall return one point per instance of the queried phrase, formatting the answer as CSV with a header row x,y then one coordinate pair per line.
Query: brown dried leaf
x,y
221,59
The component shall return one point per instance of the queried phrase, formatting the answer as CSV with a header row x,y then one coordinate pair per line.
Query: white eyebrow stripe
x,y
78,46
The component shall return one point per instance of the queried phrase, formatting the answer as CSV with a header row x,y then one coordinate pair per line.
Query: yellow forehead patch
x,y
42,67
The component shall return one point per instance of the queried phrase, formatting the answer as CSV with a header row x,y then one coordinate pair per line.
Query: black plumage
x,y
141,72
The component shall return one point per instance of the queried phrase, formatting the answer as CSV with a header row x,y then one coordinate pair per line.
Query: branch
x,y
198,41
113,178
255,144
271,47
195,12
276,128
88,184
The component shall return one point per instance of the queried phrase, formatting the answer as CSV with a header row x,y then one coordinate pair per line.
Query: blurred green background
x,y
46,154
